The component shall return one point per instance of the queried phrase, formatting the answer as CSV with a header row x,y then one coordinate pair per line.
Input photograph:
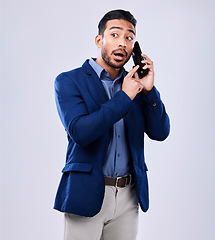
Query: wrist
x,y
146,92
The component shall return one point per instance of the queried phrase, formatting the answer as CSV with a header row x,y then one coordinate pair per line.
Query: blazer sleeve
x,y
84,127
157,120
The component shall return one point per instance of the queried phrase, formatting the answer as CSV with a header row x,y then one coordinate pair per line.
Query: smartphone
x,y
137,58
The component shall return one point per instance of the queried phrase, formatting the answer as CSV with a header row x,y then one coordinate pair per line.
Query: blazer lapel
x,y
99,93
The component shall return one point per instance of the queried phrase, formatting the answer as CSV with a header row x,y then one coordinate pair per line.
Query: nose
x,y
122,43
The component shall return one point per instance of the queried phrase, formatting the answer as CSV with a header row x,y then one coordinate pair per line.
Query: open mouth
x,y
119,55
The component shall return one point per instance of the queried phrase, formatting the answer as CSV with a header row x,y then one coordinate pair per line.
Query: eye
x,y
130,38
114,34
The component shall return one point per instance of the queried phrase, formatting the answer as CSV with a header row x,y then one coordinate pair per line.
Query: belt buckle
x,y
117,179
126,183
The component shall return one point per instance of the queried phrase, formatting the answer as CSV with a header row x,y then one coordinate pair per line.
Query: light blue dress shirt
x,y
118,162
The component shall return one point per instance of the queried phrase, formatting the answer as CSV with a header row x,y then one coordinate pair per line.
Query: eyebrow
x,y
114,27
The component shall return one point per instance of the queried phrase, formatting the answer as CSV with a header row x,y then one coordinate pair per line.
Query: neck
x,y
113,72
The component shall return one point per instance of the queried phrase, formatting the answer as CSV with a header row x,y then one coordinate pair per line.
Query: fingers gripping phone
x,y
136,54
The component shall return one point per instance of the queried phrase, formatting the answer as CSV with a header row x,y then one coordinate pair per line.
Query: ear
x,y
98,41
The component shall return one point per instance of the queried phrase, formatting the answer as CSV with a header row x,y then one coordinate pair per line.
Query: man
x,y
105,112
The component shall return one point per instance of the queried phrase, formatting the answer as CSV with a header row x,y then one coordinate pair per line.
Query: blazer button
x,y
154,104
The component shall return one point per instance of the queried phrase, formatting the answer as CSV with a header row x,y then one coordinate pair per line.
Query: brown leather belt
x,y
119,182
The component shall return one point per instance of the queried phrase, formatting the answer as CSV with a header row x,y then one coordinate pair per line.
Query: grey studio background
x,y
40,39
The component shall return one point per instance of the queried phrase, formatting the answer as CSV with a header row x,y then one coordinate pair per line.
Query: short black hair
x,y
115,14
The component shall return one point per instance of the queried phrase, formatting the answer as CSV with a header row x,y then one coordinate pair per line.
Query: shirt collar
x,y
101,72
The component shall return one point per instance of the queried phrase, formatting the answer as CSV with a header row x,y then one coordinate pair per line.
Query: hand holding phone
x,y
137,57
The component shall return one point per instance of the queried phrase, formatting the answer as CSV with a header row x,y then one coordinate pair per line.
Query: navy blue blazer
x,y
88,116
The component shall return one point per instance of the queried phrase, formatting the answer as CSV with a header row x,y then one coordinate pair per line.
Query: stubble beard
x,y
108,61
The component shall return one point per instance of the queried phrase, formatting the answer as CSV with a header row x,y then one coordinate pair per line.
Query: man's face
x,y
117,42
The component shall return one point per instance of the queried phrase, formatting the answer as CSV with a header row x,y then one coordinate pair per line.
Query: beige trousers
x,y
117,220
